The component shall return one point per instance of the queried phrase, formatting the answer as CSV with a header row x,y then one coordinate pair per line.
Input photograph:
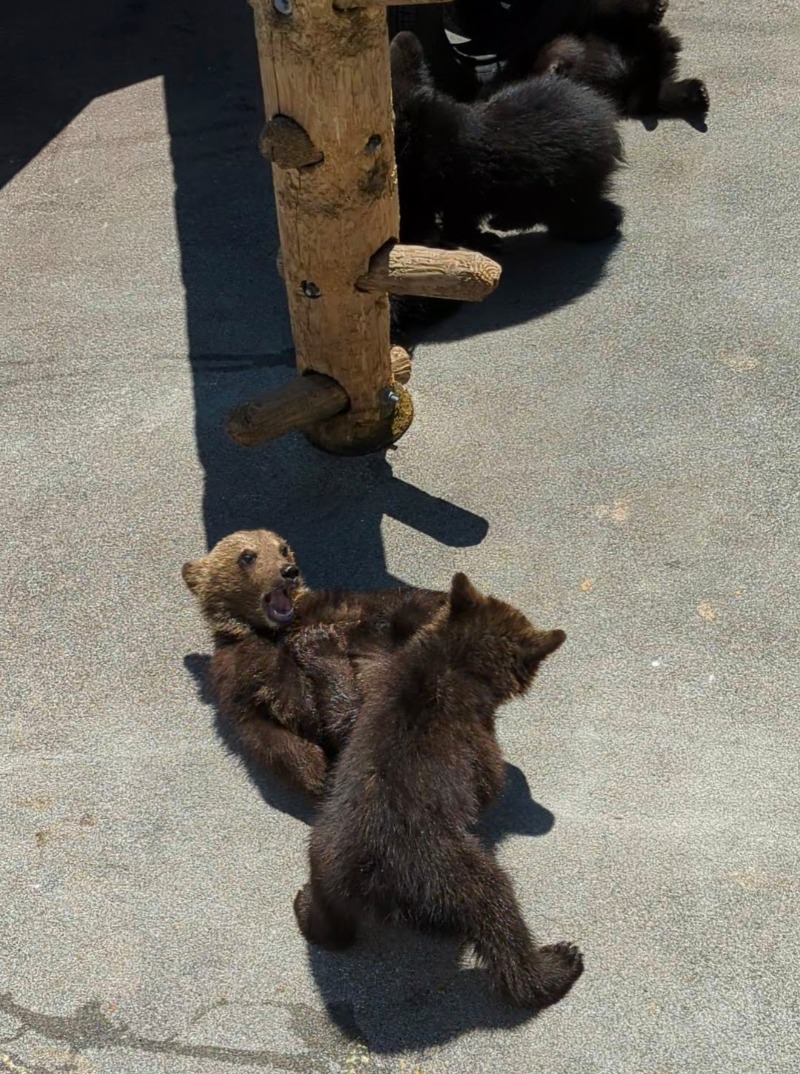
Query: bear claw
x,y
658,10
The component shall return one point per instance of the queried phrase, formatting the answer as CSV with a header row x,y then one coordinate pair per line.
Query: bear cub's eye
x,y
247,559
284,550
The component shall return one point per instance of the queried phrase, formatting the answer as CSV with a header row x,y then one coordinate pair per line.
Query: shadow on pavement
x,y
53,63
239,341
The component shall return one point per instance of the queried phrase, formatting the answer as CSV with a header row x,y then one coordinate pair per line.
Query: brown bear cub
x,y
285,666
394,838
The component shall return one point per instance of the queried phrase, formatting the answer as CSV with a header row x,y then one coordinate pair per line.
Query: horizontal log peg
x,y
302,403
425,272
428,273
286,144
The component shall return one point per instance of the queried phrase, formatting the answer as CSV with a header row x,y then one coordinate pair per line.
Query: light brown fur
x,y
290,688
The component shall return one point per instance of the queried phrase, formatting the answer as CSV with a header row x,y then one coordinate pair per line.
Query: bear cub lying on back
x,y
618,47
285,668
394,837
541,151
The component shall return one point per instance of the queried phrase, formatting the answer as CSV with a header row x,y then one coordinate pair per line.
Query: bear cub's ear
x,y
463,594
543,643
548,641
191,573
408,59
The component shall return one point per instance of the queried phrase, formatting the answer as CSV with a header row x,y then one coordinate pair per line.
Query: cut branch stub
x,y
401,365
309,403
462,275
284,143
296,405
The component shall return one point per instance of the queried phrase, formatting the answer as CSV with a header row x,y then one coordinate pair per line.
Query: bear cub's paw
x,y
318,927
696,95
554,971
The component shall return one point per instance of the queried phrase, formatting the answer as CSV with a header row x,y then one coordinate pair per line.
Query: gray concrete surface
x,y
611,442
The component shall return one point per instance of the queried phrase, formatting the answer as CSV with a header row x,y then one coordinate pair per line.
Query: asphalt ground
x,y
610,442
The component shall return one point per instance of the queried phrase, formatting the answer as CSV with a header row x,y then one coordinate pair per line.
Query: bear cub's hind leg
x,y
320,923
689,95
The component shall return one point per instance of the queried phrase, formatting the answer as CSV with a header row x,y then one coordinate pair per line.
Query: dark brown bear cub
x,y
394,840
285,665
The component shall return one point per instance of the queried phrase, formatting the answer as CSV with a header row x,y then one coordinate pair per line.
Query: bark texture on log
x,y
328,71
425,272
304,403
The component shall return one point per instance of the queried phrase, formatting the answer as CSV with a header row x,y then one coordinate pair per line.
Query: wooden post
x,y
329,136
327,71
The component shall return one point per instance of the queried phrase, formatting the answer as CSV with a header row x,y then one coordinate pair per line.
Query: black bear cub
x,y
541,151
284,671
619,48
394,837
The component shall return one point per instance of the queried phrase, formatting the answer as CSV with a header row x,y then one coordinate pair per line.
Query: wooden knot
x,y
285,143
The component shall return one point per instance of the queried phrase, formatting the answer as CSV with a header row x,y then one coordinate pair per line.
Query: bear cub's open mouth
x,y
278,606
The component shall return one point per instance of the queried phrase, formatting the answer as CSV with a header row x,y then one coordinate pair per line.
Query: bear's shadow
x,y
697,121
396,989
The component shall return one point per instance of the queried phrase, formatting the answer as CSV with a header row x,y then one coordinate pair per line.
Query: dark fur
x,y
292,692
537,152
621,51
530,25
394,839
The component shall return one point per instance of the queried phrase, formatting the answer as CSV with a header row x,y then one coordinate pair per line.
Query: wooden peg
x,y
463,275
284,143
304,403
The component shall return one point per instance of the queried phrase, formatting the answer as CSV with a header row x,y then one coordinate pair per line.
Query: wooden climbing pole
x,y
329,136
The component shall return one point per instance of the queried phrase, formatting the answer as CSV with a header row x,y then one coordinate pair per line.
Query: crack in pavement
x,y
89,1027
